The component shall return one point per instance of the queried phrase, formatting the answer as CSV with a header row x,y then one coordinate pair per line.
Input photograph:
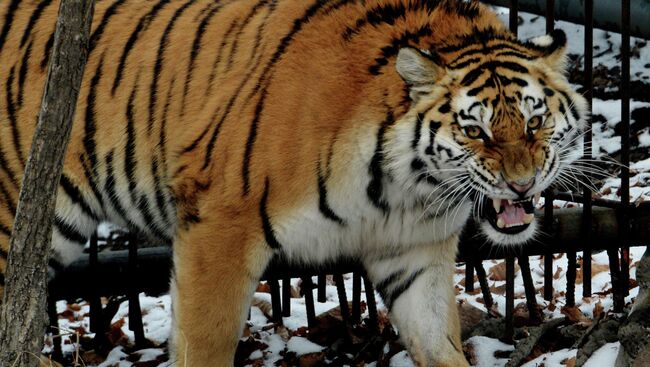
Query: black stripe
x,y
433,130
323,205
401,288
513,50
572,107
76,196
2,279
130,166
97,34
129,149
375,187
265,76
387,14
90,123
196,141
7,199
153,90
11,112
383,285
142,25
395,45
22,74
5,167
91,181
208,152
474,74
33,19
196,48
109,187
47,51
217,59
489,83
9,18
269,234
242,24
250,141
69,232
162,139
417,134
3,254
4,229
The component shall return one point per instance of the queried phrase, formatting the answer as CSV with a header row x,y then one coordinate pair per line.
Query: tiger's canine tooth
x,y
496,203
501,223
536,198
509,201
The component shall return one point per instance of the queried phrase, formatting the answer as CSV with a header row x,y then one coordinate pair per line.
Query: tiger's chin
x,y
509,222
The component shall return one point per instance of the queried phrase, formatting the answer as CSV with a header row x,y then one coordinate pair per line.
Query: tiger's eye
x,y
535,123
473,132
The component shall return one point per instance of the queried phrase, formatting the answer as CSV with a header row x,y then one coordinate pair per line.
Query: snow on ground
x,y
277,342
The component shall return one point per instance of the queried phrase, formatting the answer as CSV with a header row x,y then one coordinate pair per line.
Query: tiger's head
x,y
495,122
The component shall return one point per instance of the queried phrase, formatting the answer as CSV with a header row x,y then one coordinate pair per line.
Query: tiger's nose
x,y
520,187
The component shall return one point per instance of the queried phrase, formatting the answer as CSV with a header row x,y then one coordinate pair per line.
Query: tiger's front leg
x,y
217,267
417,288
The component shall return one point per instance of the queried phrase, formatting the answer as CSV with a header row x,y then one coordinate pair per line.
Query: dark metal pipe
x,y
573,11
586,208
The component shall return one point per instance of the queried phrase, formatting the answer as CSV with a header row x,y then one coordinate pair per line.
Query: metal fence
x,y
598,224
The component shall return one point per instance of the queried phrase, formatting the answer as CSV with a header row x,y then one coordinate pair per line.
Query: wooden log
x,y
21,333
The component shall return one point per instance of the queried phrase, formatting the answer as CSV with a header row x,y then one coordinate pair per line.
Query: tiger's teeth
x,y
528,218
496,203
536,198
501,223
509,202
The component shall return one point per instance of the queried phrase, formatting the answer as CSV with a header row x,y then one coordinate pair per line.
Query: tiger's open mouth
x,y
510,216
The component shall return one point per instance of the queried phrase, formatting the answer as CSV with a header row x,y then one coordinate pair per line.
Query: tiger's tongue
x,y
512,214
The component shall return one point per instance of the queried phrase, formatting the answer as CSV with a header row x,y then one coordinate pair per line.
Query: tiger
x,y
315,130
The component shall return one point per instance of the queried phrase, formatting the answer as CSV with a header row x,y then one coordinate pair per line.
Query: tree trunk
x,y
22,316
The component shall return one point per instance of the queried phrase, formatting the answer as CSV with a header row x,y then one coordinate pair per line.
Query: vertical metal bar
x,y
529,288
625,147
510,297
548,256
550,15
571,277
514,16
356,297
275,300
53,316
308,286
135,313
485,288
372,304
95,301
286,297
614,270
586,207
469,274
343,298
322,283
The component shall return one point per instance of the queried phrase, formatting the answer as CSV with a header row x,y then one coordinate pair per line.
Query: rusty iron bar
x,y
625,148
322,283
343,298
587,205
529,288
548,234
513,16
373,320
510,299
275,300
307,287
53,316
135,312
485,288
571,276
95,301
356,297
550,15
286,296
469,275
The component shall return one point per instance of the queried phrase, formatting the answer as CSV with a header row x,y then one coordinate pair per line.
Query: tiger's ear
x,y
553,50
417,68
